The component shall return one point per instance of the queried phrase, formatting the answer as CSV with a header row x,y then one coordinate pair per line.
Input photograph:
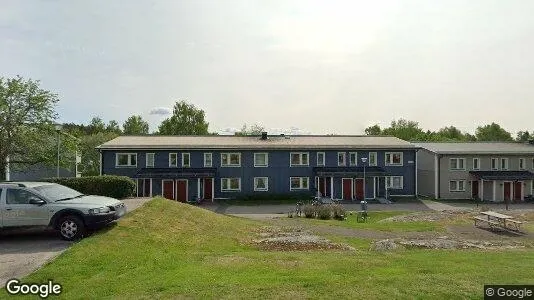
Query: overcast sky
x,y
314,66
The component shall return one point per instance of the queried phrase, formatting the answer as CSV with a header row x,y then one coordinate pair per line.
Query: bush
x,y
324,212
309,210
107,185
338,211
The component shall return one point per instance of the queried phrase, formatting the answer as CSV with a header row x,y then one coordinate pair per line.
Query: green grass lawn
x,y
373,222
172,250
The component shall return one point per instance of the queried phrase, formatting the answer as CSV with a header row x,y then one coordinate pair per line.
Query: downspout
x,y
101,161
416,192
439,176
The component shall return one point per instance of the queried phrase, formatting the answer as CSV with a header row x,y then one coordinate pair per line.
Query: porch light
x,y
364,160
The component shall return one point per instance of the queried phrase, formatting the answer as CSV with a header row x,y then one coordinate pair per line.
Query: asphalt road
x,y
24,251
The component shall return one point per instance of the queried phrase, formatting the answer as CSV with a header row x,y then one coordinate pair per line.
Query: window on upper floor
x,y
230,184
299,159
261,184
126,160
457,164
457,186
476,163
298,183
504,163
261,160
208,159
173,160
320,159
394,182
353,158
522,164
495,163
393,158
186,160
372,158
230,159
341,159
150,160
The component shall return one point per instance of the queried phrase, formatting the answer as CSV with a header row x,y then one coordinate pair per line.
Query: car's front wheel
x,y
71,228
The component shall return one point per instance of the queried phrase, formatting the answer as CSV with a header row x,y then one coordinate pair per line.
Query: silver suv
x,y
28,204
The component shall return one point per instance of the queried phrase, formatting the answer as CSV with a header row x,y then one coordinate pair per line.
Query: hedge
x,y
110,186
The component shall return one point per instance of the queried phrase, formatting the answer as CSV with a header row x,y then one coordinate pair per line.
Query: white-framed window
x,y
231,184
395,182
457,186
230,159
149,160
261,184
476,163
298,159
394,158
126,159
372,159
299,183
261,160
504,163
320,158
186,160
353,158
341,159
208,160
495,163
522,164
457,164
173,159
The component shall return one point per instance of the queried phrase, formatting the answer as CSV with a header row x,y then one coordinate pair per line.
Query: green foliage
x,y
90,164
338,211
113,126
27,114
524,136
186,120
373,130
96,125
255,129
492,132
309,211
324,212
110,186
135,125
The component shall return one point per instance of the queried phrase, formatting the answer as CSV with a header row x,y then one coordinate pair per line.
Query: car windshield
x,y
57,192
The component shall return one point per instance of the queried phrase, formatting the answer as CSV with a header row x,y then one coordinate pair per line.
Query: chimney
x,y
264,135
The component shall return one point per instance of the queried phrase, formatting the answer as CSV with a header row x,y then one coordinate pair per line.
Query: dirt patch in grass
x,y
428,216
294,239
444,243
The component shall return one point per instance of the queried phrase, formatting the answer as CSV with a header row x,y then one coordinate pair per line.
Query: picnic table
x,y
500,221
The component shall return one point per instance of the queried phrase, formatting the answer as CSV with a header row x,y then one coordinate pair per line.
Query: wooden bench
x,y
491,223
516,225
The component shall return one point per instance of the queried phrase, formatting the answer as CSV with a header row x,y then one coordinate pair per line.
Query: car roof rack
x,y
14,183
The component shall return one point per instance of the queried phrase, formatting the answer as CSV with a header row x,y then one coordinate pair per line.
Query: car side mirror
x,y
37,201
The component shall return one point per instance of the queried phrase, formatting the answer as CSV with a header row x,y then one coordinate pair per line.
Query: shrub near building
x,y
110,186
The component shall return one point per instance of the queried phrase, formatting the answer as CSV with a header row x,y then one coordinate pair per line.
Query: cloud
x,y
162,111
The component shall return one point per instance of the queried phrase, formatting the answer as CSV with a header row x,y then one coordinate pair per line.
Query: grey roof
x,y
254,142
478,148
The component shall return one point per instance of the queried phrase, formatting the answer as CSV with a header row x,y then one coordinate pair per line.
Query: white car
x,y
31,204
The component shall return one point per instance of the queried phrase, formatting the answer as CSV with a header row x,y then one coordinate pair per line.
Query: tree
x,y
255,129
90,164
373,130
135,125
523,136
113,126
492,132
186,120
404,129
27,114
96,125
450,133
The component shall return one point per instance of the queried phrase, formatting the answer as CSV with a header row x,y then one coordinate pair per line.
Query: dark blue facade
x,y
278,171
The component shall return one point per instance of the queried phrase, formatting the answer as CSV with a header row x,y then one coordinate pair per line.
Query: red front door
x,y
181,190
208,183
474,190
517,190
322,186
168,189
507,190
347,189
358,183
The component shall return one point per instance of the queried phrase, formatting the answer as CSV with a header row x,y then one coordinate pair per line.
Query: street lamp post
x,y
58,129
364,160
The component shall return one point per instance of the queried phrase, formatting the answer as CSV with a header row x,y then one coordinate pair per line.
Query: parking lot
x,y
23,251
